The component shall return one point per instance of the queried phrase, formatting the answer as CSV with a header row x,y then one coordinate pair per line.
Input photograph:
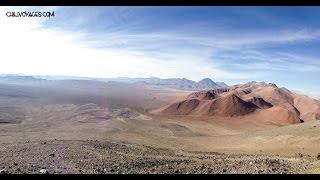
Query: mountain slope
x,y
222,84
205,83
226,106
255,101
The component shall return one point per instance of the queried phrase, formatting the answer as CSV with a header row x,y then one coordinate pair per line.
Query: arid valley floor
x,y
109,127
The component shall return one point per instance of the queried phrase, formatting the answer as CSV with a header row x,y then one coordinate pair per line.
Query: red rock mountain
x,y
259,101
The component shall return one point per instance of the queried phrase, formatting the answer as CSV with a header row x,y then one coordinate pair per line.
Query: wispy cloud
x,y
142,42
38,50
272,61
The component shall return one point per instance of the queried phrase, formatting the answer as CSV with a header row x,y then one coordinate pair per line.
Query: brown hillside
x,y
309,108
226,106
276,115
203,95
184,107
260,102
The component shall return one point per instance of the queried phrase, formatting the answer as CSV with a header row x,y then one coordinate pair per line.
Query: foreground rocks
x,y
110,157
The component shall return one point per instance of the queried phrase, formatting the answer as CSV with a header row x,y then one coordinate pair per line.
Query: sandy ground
x,y
65,156
93,137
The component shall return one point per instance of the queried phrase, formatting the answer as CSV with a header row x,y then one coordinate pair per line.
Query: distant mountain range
x,y
176,83
17,79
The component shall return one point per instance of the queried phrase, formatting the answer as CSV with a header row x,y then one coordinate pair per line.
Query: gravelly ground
x,y
62,156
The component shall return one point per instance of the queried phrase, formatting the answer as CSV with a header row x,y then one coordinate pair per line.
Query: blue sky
x,y
230,44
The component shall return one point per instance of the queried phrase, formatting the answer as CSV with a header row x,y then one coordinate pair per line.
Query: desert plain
x,y
84,126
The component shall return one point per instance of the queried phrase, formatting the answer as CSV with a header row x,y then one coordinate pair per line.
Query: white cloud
x,y
224,40
29,48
